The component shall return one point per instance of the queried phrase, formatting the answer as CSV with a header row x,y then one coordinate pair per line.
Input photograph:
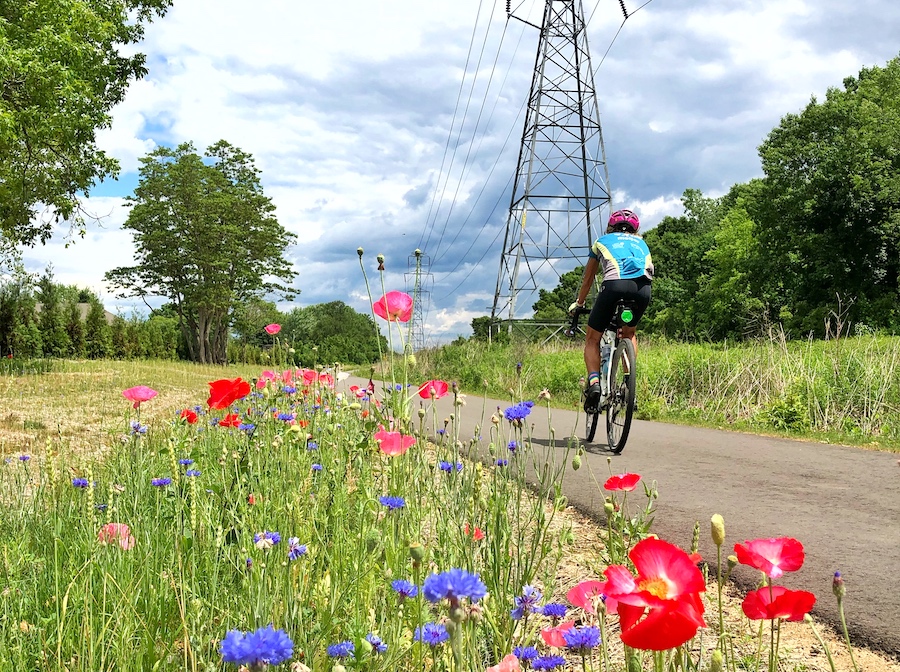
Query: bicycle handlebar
x,y
573,326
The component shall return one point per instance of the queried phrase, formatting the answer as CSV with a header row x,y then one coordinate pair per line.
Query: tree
x,y
206,238
554,305
97,333
52,317
832,218
332,332
63,66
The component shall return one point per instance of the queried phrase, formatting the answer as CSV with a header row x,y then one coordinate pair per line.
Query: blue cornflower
x,y
100,507
518,412
247,427
317,467
192,472
431,634
452,585
137,428
377,645
341,649
582,637
525,653
404,588
392,503
449,466
441,431
249,563
547,662
185,461
554,610
527,601
287,417
312,445
161,482
512,445
502,463
214,422
265,540
266,646
289,389
295,548
24,458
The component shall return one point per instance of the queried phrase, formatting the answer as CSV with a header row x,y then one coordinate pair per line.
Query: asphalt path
x,y
842,503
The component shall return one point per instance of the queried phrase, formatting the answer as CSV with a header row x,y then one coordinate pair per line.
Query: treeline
x,y
47,319
812,247
40,318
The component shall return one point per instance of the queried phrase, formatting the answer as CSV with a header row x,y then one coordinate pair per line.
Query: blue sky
x,y
354,113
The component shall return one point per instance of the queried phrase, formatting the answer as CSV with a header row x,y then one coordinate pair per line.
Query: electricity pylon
x,y
418,285
562,182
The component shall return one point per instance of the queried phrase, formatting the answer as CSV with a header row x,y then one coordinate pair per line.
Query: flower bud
x,y
411,359
608,508
837,586
732,562
359,251
457,614
421,413
495,420
338,668
576,462
716,662
718,529
380,258
416,551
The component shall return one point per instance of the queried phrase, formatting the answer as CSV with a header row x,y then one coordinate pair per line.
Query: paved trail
x,y
842,503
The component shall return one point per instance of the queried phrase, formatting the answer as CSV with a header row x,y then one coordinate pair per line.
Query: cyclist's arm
x,y
590,271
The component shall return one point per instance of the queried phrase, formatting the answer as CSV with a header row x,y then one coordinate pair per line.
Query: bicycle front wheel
x,y
620,408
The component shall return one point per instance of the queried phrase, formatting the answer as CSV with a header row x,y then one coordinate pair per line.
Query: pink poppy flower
x,y
433,388
394,307
309,376
357,392
272,329
771,602
118,533
659,608
139,394
326,379
772,556
622,482
554,636
586,595
393,443
509,664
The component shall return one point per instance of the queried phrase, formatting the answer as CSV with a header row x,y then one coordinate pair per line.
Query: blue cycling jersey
x,y
623,256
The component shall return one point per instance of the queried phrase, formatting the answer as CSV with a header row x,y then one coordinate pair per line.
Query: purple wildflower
x,y
431,634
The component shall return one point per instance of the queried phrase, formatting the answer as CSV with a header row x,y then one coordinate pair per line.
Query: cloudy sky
x,y
396,124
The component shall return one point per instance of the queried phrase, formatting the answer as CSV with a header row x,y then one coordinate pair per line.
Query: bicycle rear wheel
x,y
620,405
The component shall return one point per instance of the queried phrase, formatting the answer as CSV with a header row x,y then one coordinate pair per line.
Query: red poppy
x,y
326,379
586,595
393,443
622,482
252,499
230,420
660,608
772,556
394,307
139,394
272,329
223,393
509,664
287,376
357,392
771,602
433,389
118,533
309,376
189,415
554,636
477,532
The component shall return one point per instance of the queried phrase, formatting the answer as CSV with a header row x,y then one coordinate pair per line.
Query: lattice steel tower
x,y
419,281
562,183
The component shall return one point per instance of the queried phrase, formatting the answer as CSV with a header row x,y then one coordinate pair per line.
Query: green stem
x,y
825,648
840,603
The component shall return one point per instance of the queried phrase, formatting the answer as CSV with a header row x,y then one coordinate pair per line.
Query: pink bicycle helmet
x,y
623,219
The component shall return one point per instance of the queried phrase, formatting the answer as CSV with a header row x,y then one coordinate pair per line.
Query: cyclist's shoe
x,y
593,397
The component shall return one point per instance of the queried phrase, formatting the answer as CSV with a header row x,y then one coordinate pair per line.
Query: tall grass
x,y
843,390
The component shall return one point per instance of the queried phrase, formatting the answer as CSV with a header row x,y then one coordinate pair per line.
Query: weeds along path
x,y
842,503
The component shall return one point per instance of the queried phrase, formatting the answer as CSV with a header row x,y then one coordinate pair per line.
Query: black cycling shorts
x,y
636,290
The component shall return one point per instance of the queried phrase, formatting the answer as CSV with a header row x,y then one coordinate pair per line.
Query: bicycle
x,y
617,379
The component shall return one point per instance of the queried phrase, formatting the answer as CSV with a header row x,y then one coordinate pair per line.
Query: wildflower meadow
x,y
297,520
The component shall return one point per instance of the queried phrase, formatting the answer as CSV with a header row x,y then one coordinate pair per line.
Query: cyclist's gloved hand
x,y
575,306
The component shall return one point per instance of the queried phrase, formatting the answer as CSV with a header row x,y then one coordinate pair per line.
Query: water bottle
x,y
604,366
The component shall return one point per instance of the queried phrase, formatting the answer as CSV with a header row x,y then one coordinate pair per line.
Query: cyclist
x,y
627,268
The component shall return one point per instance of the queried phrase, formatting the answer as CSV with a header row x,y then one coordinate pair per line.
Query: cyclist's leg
x,y
592,350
